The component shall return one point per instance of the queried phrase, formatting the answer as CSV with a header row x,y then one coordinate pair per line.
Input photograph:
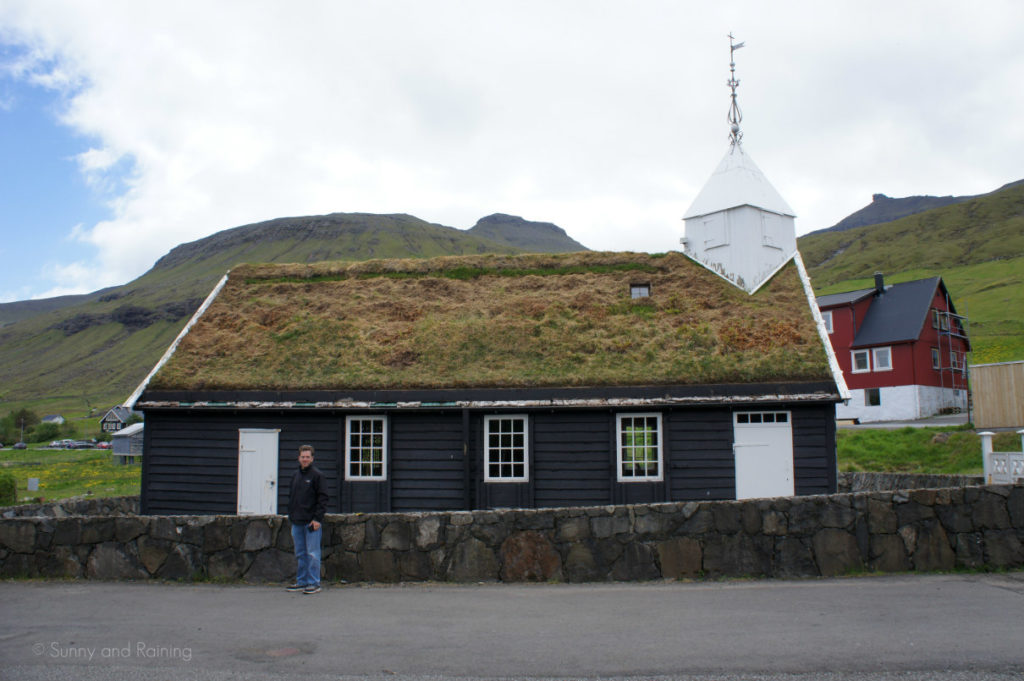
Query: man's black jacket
x,y
308,500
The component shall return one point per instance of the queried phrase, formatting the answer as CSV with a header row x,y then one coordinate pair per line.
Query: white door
x,y
763,445
257,471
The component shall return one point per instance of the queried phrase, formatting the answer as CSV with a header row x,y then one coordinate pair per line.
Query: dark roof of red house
x,y
836,299
896,315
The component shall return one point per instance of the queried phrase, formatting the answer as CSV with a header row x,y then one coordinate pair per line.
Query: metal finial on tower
x,y
735,115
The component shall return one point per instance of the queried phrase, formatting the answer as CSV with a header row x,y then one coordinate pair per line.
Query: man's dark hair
x,y
306,448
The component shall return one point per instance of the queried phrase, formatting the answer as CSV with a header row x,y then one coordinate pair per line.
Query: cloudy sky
x,y
127,128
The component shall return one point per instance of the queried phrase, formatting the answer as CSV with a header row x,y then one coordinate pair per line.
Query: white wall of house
x,y
902,402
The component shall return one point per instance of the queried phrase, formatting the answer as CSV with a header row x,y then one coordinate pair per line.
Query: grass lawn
x,y
69,473
917,450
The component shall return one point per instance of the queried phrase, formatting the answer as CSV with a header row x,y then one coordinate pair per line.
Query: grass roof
x,y
495,321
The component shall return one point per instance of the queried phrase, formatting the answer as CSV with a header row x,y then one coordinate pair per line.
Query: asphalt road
x,y
964,627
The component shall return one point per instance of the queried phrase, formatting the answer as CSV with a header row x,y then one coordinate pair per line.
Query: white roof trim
x,y
130,402
819,321
346,403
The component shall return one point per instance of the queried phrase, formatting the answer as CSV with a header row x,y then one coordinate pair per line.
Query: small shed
x,y
116,418
998,391
128,443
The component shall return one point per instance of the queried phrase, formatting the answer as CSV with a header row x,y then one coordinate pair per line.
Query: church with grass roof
x,y
508,381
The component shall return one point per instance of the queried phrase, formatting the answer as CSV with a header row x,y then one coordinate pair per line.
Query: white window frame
x,y
936,359
760,418
853,361
489,451
639,291
875,353
826,317
620,446
360,477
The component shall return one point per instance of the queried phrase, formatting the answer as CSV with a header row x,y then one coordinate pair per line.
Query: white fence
x,y
1002,467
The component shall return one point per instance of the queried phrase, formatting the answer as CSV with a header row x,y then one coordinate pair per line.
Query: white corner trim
x,y
773,273
765,280
812,301
130,402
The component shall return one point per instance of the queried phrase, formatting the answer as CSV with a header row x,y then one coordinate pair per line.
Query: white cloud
x,y
603,117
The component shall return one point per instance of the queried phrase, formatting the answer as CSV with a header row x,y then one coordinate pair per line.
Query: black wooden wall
x,y
435,459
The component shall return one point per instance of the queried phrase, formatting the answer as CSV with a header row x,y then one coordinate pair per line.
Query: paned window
x,y
639,291
827,318
882,358
639,450
747,417
873,397
935,359
860,359
506,449
366,447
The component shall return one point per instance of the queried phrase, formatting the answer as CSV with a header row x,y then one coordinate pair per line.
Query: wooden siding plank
x,y
570,458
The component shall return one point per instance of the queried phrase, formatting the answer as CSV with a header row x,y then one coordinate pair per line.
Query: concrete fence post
x,y
986,454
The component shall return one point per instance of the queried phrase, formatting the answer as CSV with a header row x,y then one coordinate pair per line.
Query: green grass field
x,y
69,473
917,450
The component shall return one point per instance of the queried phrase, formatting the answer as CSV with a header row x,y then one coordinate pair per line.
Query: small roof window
x,y
640,290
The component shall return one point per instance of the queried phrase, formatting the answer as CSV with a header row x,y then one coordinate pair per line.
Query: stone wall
x,y
876,482
923,530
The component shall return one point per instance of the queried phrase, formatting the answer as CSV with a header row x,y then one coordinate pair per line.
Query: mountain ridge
x,y
887,209
77,353
94,348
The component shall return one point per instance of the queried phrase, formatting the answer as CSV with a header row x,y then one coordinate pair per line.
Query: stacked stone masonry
x,y
915,530
110,506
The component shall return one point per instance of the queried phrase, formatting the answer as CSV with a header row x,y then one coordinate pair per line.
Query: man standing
x,y
306,507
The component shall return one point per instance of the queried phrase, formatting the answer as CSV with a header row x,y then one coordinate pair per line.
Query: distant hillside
x,y
976,246
886,209
515,231
94,349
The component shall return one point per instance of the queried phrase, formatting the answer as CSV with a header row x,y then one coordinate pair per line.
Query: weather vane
x,y
735,115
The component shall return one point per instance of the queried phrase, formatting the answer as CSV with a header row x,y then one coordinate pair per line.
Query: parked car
x,y
102,445
83,444
67,444
20,445
56,444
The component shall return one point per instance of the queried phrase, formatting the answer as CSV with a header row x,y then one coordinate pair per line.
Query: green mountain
x,y
88,352
886,209
976,246
512,230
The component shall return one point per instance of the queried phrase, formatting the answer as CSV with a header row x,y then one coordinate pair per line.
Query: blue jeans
x,y
307,554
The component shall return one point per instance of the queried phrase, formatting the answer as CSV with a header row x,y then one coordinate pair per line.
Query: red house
x,y
901,348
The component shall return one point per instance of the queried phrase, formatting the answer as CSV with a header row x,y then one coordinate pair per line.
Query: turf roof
x,y
495,321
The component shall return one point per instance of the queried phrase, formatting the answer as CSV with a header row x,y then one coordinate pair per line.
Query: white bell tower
x,y
739,226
